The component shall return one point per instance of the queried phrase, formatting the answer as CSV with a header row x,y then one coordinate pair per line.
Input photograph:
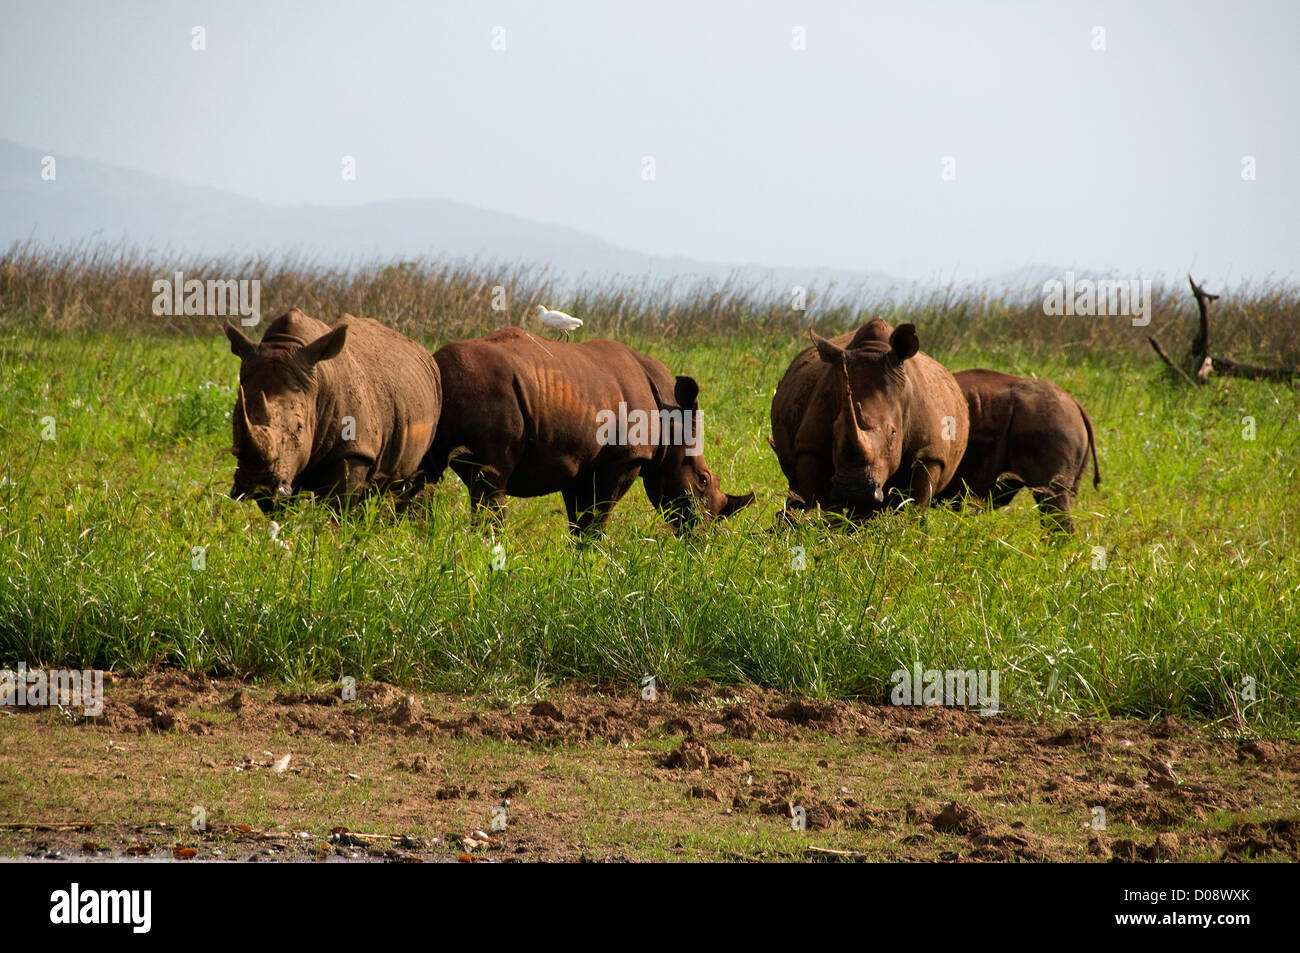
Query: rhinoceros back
x,y
535,401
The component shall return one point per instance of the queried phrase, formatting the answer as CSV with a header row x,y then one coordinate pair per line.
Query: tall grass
x,y
91,287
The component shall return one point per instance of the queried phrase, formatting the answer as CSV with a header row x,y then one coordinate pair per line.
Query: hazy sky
x,y
1129,158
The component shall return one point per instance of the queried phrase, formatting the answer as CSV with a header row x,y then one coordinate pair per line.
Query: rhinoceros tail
x,y
1092,446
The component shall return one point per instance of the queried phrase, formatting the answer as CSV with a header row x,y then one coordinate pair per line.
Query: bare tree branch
x,y
1204,363
1230,368
1165,357
1201,346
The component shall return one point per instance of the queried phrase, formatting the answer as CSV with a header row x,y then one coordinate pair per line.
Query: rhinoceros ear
x,y
904,341
240,346
735,503
687,393
825,349
323,348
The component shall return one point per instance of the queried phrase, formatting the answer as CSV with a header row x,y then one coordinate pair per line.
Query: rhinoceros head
x,y
870,396
682,486
274,420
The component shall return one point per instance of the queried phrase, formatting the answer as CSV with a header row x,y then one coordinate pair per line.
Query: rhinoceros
x,y
334,411
1023,433
523,417
865,414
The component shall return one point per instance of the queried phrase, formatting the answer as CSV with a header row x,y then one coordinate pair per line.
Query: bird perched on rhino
x,y
564,323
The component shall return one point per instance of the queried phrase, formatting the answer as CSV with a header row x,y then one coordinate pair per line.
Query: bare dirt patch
x,y
706,772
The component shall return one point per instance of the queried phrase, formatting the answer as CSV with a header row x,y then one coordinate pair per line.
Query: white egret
x,y
564,323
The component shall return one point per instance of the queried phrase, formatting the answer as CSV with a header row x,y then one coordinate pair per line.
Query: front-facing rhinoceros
x,y
523,416
1024,432
331,411
865,414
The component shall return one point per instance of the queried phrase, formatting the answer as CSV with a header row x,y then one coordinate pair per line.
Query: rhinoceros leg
x,y
591,498
586,516
925,474
1055,504
486,485
407,492
813,477
356,477
486,502
340,483
486,505
1003,492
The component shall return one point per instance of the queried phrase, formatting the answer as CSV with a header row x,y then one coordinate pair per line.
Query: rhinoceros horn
x,y
248,424
849,405
243,412
839,358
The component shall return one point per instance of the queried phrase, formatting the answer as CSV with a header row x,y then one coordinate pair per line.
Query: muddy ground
x,y
189,768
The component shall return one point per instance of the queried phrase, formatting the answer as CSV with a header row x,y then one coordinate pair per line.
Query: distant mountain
x,y
91,200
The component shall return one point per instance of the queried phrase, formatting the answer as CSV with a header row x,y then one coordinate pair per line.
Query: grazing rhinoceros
x,y
524,416
865,414
332,411
1023,433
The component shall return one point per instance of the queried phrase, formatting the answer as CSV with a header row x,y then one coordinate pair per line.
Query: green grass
x,y
99,530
